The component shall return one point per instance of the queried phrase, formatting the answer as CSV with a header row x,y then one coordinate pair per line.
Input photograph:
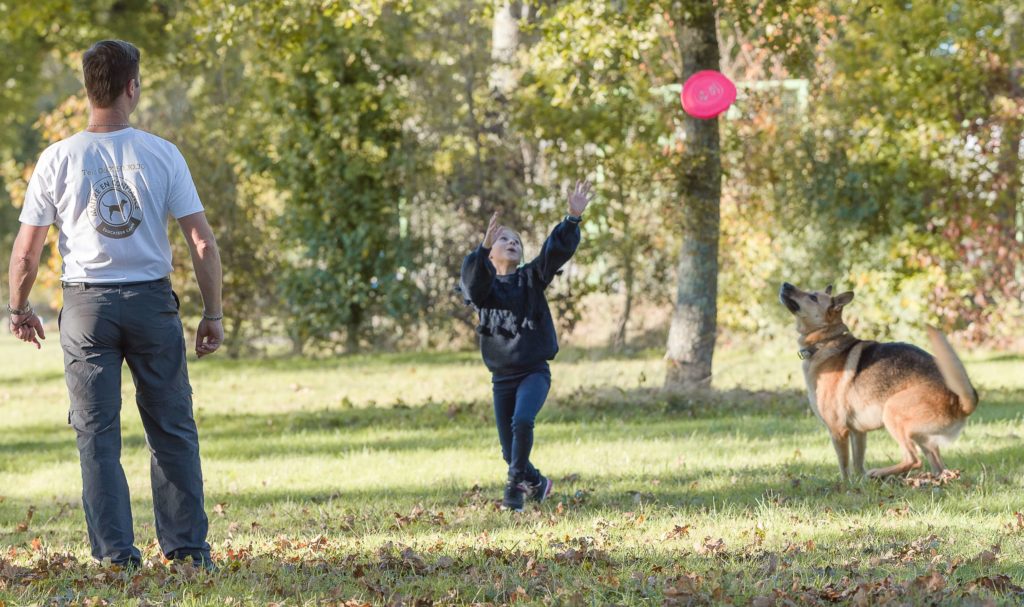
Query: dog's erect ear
x,y
841,300
828,290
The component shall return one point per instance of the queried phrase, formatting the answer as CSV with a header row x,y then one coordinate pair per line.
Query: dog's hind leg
x,y
931,451
841,443
858,444
910,462
896,427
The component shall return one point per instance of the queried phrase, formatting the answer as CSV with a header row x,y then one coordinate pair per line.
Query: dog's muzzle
x,y
785,297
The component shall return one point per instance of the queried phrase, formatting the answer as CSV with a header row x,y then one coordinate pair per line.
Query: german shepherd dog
x,y
855,386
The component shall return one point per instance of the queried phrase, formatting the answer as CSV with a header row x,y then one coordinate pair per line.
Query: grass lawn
x,y
376,479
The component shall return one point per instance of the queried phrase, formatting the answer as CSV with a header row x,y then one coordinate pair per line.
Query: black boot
x,y
540,490
515,495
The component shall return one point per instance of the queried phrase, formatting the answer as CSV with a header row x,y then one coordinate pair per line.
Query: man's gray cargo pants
x,y
101,326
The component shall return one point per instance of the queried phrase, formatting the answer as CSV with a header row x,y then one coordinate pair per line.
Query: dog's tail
x,y
953,371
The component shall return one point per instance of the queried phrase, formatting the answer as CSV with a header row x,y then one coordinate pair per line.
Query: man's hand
x,y
579,198
28,328
493,229
209,336
28,247
206,261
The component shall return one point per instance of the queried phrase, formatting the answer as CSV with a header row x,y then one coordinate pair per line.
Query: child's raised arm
x,y
477,270
563,240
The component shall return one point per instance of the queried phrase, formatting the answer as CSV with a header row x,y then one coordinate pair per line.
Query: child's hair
x,y
517,234
522,248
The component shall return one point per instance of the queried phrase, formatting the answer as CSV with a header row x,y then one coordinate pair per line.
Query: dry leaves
x,y
677,531
711,547
24,524
927,479
419,514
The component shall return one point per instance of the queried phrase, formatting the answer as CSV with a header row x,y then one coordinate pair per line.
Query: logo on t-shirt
x,y
114,209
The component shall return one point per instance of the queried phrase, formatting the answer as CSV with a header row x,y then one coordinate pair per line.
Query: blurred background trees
x,y
349,154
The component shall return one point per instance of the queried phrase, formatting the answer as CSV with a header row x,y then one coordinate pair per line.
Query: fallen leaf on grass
x,y
575,556
677,532
931,582
533,568
577,551
518,595
1016,526
988,557
414,561
710,547
909,552
1000,584
418,513
24,525
685,590
897,512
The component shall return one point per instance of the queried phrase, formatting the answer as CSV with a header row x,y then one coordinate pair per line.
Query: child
x,y
517,335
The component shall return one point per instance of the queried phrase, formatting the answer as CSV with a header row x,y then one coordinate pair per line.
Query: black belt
x,y
114,285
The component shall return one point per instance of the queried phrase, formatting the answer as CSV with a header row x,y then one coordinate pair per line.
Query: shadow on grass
x,y
741,493
597,415
787,483
288,362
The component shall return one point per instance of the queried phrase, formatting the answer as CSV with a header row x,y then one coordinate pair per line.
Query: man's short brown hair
x,y
108,66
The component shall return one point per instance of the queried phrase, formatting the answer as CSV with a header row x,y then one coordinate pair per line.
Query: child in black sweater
x,y
517,335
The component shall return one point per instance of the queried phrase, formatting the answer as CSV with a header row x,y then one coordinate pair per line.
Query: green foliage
x,y
322,102
349,152
926,158
596,103
893,179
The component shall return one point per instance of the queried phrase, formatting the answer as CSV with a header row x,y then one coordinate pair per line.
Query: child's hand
x,y
579,198
492,231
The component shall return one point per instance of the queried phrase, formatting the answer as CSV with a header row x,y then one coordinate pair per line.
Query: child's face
x,y
507,248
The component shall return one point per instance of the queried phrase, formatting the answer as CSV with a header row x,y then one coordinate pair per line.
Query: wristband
x,y
212,318
19,311
573,219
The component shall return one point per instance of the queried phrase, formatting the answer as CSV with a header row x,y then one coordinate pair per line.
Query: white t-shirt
x,y
110,195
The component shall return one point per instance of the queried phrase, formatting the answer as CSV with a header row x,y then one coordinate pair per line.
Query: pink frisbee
x,y
707,94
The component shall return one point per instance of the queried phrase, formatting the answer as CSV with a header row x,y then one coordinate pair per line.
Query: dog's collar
x,y
805,353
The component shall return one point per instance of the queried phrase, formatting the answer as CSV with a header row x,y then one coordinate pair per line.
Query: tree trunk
x,y
619,342
1013,125
354,329
504,41
620,336
691,338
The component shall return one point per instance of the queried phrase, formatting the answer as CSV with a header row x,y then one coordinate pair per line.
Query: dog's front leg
x,y
841,443
859,444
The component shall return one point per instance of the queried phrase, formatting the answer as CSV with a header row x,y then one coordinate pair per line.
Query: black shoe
x,y
540,490
129,565
515,495
201,561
